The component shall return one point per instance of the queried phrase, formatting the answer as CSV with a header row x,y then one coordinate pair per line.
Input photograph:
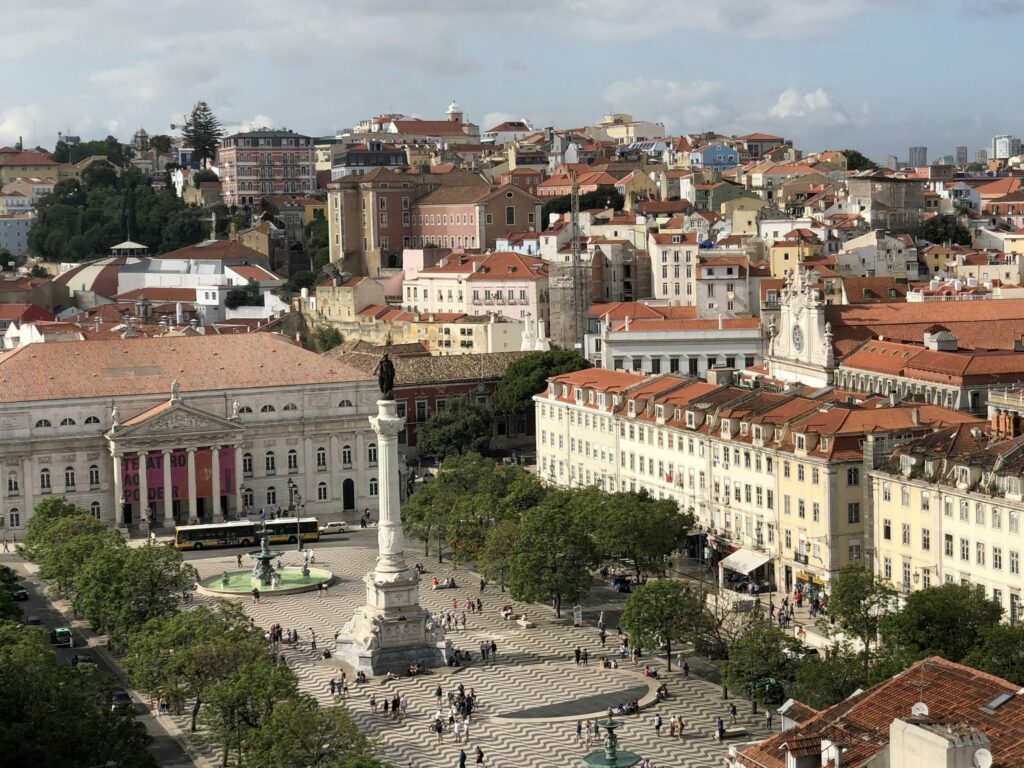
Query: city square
x,y
534,669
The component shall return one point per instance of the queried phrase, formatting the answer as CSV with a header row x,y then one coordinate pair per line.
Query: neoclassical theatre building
x,y
164,431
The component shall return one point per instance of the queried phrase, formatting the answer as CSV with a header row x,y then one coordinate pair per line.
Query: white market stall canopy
x,y
744,561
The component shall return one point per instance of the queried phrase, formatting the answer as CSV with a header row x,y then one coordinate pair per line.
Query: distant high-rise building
x,y
918,157
981,156
961,155
947,160
892,162
1005,146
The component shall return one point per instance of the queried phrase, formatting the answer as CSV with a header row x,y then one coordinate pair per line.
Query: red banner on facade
x,y
130,466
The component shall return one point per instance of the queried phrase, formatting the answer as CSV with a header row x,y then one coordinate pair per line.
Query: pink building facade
x,y
265,162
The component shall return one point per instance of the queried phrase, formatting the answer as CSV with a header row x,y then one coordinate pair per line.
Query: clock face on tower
x,y
798,339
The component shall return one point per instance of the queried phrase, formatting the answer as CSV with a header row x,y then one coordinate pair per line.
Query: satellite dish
x,y
919,710
983,758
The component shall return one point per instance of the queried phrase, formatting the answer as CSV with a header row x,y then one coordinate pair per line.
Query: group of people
x,y
676,726
396,706
277,635
448,583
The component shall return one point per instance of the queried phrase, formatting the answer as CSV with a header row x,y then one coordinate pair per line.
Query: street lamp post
x,y
295,502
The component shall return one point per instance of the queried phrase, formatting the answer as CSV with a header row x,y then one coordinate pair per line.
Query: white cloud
x,y
679,105
813,106
20,121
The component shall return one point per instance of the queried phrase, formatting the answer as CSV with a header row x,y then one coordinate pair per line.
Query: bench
x,y
734,732
525,623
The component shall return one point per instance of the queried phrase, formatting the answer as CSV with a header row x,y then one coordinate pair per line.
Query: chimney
x,y
97,323
915,416
179,316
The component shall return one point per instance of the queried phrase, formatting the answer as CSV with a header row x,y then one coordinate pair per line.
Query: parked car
x,y
18,592
83,661
334,526
34,621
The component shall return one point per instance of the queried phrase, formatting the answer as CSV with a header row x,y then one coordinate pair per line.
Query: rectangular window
x,y
979,552
905,496
887,568
853,476
853,513
510,215
965,550
997,558
948,545
926,503
926,539
906,534
1014,562
887,529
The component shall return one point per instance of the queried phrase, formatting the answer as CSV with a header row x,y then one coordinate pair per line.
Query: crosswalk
x,y
533,668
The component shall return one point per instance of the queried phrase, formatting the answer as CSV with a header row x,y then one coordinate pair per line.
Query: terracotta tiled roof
x,y
664,325
57,371
254,272
158,293
954,693
877,288
619,310
444,369
23,312
231,250
27,158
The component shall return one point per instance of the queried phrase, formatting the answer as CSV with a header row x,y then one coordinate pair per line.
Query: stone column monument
x,y
391,631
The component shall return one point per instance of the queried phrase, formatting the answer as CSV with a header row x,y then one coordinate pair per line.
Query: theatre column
x,y
239,506
143,489
118,492
193,508
168,491
218,514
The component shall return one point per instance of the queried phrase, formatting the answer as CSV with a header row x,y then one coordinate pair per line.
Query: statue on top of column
x,y
385,371
175,390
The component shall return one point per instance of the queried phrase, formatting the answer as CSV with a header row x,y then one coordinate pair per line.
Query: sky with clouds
x,y
878,75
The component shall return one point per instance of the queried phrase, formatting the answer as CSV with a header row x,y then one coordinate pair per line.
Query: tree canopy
x,y
638,527
528,375
942,229
662,612
202,132
248,295
317,243
602,197
461,426
111,148
857,603
761,663
856,161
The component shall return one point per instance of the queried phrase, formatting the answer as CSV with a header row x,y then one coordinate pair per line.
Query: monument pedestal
x,y
391,631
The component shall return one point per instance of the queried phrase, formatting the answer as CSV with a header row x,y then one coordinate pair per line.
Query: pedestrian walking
x,y
602,637
312,639
577,654
387,705
373,704
457,730
479,605
586,656
579,730
686,671
479,756
334,687
484,648
482,585
588,734
405,704
255,596
768,719
438,693
396,704
657,725
238,561
438,729
494,650
732,714
463,621
462,758
680,725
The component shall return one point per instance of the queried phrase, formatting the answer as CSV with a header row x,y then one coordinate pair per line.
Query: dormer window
x,y
601,399
578,394
691,419
659,411
757,433
725,428
906,464
744,427
801,442
632,408
676,239
963,475
551,389
825,443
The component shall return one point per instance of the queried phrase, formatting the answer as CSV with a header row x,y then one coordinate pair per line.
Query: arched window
x,y
92,420
95,509
94,476
346,455
44,480
69,478
371,453
293,460
321,459
12,484
247,464
43,423
270,462
247,497
345,404
67,422
14,518
373,486
267,409
321,492
245,409
291,407
271,495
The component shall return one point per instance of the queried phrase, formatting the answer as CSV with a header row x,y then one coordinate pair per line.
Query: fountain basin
x,y
241,582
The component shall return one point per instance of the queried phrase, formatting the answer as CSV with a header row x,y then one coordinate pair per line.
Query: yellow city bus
x,y
240,533
286,530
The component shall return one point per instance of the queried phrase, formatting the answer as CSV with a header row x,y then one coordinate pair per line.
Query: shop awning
x,y
744,560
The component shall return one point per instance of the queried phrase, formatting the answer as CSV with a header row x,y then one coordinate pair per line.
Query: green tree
x,y
46,513
52,716
822,681
602,197
1000,651
300,280
461,427
300,734
661,613
182,656
945,621
943,229
111,148
529,375
121,589
161,143
641,528
761,663
202,132
318,243
7,260
857,603
555,552
99,175
495,557
855,161
202,175
325,338
70,542
249,295
240,703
